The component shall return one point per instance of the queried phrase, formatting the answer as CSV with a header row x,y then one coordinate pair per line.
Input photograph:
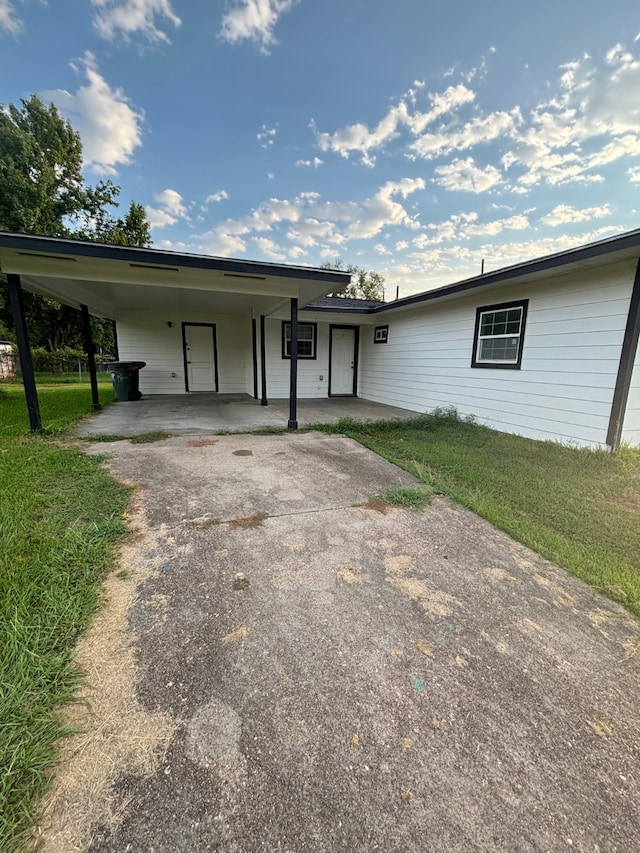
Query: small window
x,y
306,340
499,335
381,334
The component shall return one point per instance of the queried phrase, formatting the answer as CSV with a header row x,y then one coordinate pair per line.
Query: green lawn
x,y
60,522
578,508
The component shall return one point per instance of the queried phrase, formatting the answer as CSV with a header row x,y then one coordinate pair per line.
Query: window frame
x,y
501,306
314,340
384,338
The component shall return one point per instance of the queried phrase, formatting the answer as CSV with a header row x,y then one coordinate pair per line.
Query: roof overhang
x,y
110,280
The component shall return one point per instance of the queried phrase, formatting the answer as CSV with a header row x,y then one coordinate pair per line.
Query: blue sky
x,y
410,137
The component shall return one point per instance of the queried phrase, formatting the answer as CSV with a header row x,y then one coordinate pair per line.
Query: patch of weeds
x,y
124,574
108,437
223,432
269,431
210,522
256,519
150,437
409,497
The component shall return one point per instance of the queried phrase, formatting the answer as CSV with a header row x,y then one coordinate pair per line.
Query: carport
x,y
106,280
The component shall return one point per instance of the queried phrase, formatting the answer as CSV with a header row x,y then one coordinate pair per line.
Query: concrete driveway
x,y
311,674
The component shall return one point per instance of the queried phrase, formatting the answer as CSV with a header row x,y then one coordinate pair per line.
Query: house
x,y
547,348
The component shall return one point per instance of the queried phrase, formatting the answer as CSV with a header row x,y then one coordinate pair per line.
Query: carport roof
x,y
111,279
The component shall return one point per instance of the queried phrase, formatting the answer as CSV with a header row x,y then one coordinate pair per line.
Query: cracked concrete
x,y
341,679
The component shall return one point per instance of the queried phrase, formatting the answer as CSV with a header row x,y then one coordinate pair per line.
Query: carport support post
x,y
263,363
24,351
293,376
254,353
91,356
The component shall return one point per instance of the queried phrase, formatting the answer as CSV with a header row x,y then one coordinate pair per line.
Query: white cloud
x,y
381,249
482,129
253,20
359,138
564,214
8,21
171,209
315,162
634,175
127,17
159,218
309,221
464,175
266,136
591,122
297,252
171,201
270,175
110,128
269,248
221,195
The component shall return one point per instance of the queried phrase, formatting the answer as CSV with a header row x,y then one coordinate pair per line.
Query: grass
x,y
61,519
578,508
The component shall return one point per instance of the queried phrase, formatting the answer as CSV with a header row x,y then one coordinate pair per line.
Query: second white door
x,y
343,362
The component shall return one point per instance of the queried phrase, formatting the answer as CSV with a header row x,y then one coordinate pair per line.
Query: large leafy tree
x,y
43,191
365,284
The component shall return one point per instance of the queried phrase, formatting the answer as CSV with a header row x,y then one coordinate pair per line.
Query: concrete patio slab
x,y
341,679
203,414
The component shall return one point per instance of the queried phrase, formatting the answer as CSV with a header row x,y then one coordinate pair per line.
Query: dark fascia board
x,y
164,257
310,308
629,240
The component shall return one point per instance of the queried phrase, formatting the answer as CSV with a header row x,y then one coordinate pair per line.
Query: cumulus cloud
x,y
309,221
634,175
359,138
266,136
592,121
253,20
171,208
8,20
564,214
221,195
109,126
465,176
269,248
114,18
315,162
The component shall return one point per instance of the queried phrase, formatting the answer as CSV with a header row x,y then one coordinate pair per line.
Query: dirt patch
x,y
434,602
243,452
240,582
255,520
349,575
497,574
234,636
202,442
375,503
560,595
117,734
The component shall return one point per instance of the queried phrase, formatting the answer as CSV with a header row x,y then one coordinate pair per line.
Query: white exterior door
x,y
200,356
343,362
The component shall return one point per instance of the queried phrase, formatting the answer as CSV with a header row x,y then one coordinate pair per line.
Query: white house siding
x,y
631,425
564,389
145,336
313,374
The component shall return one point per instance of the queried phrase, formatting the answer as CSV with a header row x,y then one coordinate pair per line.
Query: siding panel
x,y
145,336
564,389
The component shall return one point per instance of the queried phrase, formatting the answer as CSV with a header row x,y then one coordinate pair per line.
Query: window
x,y
499,335
381,334
306,340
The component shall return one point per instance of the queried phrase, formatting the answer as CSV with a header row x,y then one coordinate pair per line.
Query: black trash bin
x,y
125,376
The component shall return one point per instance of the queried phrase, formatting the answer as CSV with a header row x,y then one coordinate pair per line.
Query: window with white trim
x,y
381,334
306,340
499,335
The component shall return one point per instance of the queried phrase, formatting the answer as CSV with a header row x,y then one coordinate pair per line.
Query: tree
x,y
43,191
364,284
